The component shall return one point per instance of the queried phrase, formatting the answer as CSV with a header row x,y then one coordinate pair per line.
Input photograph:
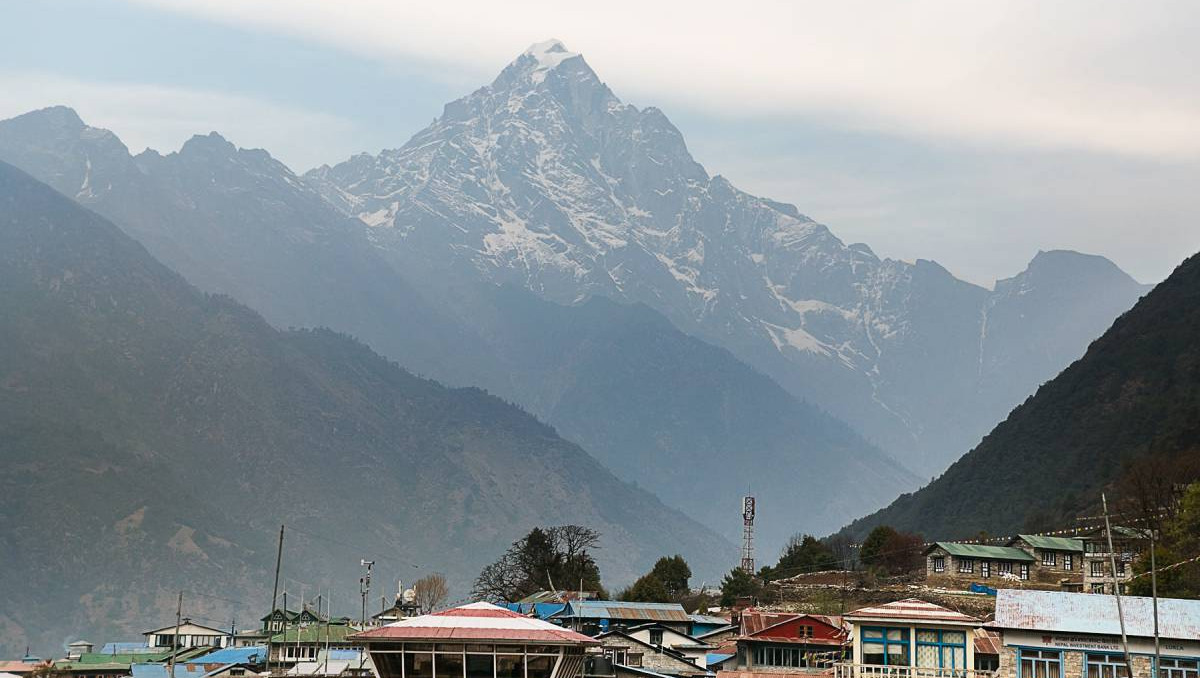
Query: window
x,y
804,631
507,666
1106,666
656,636
1049,558
480,665
939,564
1025,571
1097,588
1097,568
1120,568
885,646
1039,664
941,649
418,665
985,569
1068,561
1170,667
536,667
448,665
1004,568
966,565
773,655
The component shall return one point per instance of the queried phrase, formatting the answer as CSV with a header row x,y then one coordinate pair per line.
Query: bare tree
x,y
431,592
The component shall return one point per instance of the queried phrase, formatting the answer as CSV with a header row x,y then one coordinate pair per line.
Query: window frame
x,y
1177,671
1113,660
1024,572
941,646
1049,558
939,563
985,569
1039,659
966,565
883,641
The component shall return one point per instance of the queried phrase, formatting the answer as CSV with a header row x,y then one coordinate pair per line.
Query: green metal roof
x,y
1037,541
984,552
314,633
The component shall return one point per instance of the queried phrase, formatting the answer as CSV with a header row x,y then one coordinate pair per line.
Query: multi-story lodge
x,y
1080,563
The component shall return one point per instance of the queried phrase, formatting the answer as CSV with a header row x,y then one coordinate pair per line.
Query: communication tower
x,y
748,535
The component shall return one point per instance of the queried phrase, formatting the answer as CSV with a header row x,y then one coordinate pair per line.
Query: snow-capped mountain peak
x,y
549,54
546,180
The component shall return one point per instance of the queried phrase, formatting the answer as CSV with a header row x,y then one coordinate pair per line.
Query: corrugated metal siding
x,y
1095,613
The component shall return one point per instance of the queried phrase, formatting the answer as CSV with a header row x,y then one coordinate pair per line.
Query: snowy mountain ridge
x,y
545,179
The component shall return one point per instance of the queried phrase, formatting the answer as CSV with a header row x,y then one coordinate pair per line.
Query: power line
x,y
358,547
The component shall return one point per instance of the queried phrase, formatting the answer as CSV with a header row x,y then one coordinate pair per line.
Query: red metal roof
x,y
475,622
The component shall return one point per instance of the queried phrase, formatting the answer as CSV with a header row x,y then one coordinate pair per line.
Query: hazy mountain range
x,y
153,438
1134,395
546,180
541,240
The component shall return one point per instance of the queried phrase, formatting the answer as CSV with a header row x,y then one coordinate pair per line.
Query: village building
x,y
703,624
625,650
22,667
778,644
1058,561
955,565
1053,634
479,640
1098,574
593,617
909,638
187,635
334,664
303,643
658,635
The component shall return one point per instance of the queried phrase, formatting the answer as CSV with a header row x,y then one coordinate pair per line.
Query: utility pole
x,y
275,599
364,587
1154,599
175,639
1112,561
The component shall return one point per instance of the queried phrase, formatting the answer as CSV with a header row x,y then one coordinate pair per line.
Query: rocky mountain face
x,y
649,401
546,180
153,438
238,222
1135,394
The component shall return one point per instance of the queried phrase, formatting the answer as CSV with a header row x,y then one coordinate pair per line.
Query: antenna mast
x,y
748,535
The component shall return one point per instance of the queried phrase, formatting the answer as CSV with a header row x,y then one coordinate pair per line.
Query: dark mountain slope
x,y
153,438
1135,392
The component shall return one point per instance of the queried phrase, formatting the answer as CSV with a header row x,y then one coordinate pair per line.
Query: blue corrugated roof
x,y
233,655
715,658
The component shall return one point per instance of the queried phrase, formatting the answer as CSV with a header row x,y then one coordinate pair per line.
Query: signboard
x,y
1099,643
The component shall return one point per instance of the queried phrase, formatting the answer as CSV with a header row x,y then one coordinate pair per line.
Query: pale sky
x,y
971,133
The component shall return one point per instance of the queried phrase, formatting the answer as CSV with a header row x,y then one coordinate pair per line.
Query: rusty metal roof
x,y
1095,613
615,609
987,641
